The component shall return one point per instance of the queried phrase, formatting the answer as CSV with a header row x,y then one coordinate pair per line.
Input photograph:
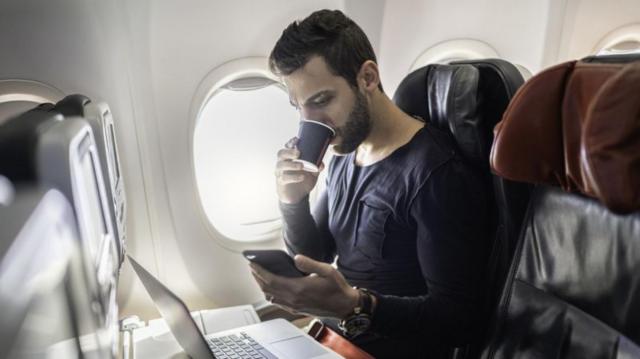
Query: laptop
x,y
271,339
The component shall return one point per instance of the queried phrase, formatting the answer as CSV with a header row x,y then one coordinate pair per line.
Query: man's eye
x,y
321,102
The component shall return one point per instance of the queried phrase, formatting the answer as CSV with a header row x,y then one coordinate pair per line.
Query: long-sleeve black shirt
x,y
412,227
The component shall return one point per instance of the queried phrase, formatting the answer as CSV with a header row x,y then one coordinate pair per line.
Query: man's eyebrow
x,y
313,97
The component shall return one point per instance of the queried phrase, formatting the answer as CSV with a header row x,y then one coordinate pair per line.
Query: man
x,y
402,213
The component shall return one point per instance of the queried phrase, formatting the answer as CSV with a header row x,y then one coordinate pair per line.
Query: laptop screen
x,y
175,313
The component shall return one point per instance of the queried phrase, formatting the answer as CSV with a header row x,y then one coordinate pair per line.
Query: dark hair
x,y
329,34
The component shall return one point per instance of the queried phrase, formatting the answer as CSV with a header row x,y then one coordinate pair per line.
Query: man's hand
x,y
292,183
324,292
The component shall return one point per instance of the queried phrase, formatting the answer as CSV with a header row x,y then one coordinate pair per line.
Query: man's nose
x,y
313,115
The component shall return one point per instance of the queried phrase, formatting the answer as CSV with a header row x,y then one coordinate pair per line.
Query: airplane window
x,y
623,47
17,96
524,71
237,135
623,40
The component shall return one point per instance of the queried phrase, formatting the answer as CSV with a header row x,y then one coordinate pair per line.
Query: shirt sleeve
x,y
450,212
306,233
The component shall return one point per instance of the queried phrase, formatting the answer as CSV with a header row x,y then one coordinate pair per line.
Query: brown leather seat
x,y
555,110
574,286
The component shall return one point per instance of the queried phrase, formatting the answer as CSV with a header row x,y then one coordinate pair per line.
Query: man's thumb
x,y
308,265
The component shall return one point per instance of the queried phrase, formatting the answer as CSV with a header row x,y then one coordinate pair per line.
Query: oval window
x,y
238,132
17,96
623,47
623,40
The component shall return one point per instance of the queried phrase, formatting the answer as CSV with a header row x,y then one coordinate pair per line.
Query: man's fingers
x,y
286,165
259,280
261,283
291,143
288,177
270,281
309,265
260,273
278,298
288,154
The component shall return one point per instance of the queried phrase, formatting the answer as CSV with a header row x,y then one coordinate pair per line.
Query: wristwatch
x,y
359,321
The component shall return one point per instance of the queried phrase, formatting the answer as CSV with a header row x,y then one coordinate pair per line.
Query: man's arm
x,y
302,232
308,234
451,215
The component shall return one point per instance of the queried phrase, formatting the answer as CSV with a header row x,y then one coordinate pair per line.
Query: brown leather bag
x,y
334,341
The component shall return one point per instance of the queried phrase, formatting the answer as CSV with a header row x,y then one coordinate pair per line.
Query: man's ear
x,y
368,76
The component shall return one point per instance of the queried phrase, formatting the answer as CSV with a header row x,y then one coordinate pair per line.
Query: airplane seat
x,y
573,289
45,309
98,114
467,99
18,137
44,148
613,59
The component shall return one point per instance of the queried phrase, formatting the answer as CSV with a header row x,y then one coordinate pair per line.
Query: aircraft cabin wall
x,y
188,140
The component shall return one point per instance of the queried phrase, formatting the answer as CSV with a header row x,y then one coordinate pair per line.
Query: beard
x,y
356,129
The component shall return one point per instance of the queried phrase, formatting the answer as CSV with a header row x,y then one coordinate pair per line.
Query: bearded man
x,y
403,217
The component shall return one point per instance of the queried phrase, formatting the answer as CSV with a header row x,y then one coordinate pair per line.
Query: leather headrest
x,y
465,99
566,127
611,141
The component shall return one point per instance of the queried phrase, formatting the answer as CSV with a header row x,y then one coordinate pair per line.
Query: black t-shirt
x,y
412,227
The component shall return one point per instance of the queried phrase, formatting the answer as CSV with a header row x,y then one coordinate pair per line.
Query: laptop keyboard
x,y
238,345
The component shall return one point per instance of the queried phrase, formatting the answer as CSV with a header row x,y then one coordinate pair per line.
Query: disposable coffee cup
x,y
313,140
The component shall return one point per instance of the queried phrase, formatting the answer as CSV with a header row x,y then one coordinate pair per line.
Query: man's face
x,y
322,96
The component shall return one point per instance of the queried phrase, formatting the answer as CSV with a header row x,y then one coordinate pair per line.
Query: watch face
x,y
357,325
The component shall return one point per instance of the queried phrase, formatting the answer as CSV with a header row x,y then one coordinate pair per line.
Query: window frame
x,y
217,79
35,92
630,32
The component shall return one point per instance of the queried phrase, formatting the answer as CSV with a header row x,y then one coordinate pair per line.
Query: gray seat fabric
x,y
43,288
98,115
50,151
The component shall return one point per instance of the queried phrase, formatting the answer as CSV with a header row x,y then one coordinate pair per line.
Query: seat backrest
x,y
467,99
67,159
45,309
574,286
99,117
18,138
60,153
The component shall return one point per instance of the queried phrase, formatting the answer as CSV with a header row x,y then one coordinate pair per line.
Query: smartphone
x,y
275,261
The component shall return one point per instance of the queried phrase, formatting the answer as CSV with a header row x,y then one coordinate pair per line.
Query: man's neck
x,y
390,129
